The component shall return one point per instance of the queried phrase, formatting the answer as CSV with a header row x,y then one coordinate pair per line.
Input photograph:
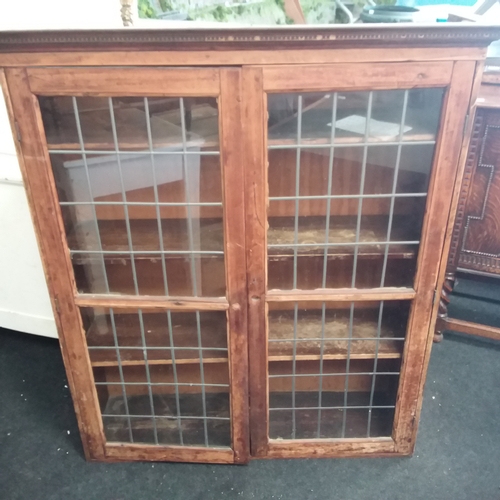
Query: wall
x,y
24,299
62,14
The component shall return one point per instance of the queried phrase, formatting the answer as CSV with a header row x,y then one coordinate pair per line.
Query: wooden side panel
x,y
124,81
234,222
436,231
349,76
35,166
256,244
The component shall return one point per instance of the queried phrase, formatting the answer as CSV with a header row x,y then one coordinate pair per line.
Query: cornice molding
x,y
341,36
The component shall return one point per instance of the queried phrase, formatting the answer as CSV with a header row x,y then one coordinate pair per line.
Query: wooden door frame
x,y
458,79
22,89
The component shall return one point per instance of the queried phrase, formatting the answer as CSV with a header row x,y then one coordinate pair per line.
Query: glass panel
x,y
415,166
378,116
334,368
59,122
140,186
346,205
134,120
162,377
423,114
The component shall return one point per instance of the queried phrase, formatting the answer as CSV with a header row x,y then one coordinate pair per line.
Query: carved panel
x,y
472,154
479,247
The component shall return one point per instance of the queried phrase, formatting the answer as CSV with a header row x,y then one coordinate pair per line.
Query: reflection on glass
x,y
346,206
139,181
334,368
161,377
376,116
134,120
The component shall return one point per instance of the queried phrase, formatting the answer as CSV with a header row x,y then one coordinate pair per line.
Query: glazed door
x,y
143,239
348,198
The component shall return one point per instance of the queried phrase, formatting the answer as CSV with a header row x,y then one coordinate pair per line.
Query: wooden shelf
x,y
161,357
114,238
314,234
145,236
335,343
213,335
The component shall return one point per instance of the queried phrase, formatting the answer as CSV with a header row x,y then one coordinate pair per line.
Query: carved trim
x,y
486,194
251,38
444,301
479,263
474,144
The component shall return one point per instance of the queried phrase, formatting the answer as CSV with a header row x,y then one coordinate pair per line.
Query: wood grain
x,y
256,244
153,303
341,294
40,189
321,448
436,231
469,328
233,175
110,82
480,242
473,141
147,453
349,76
204,57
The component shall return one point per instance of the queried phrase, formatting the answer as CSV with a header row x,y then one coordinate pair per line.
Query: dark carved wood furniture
x,y
243,231
475,244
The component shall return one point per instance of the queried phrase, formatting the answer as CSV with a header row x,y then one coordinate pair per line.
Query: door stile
x,y
234,224
40,188
256,243
441,191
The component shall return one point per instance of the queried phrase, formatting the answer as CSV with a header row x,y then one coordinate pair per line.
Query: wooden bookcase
x,y
243,230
